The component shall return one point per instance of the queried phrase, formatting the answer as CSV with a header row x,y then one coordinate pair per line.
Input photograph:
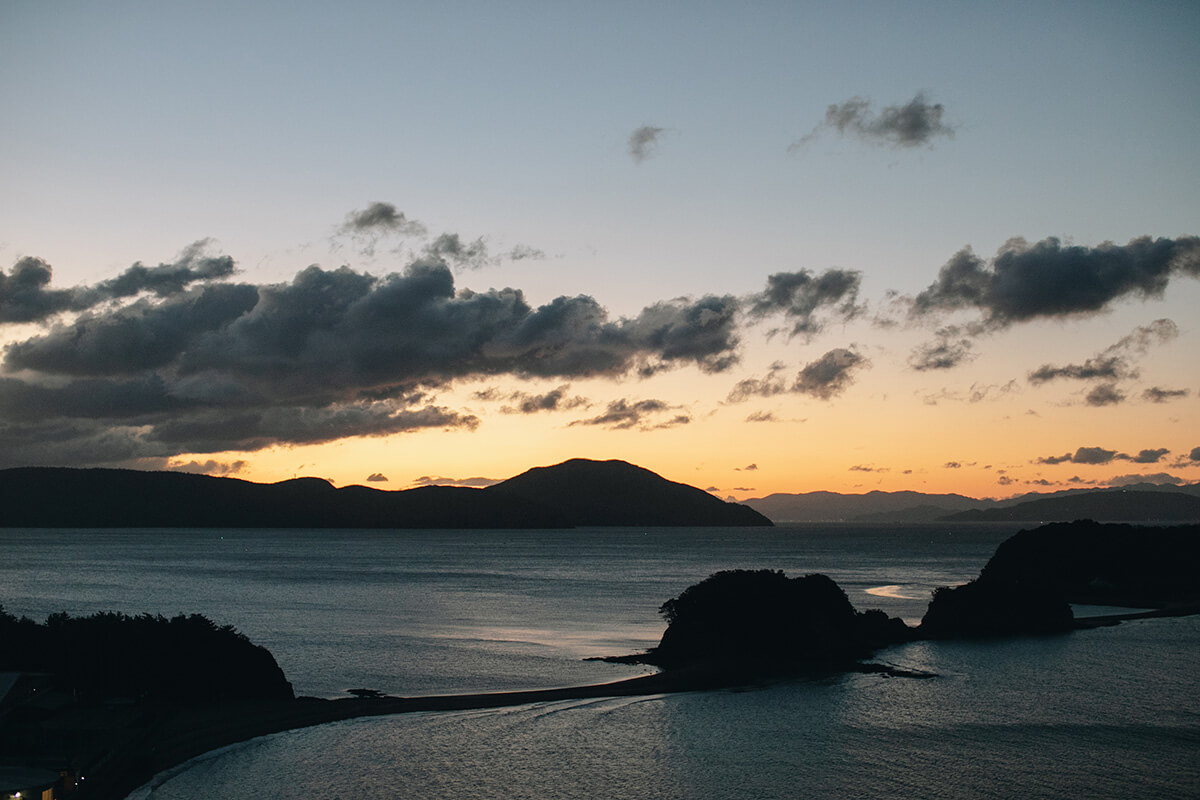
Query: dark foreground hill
x,y
576,493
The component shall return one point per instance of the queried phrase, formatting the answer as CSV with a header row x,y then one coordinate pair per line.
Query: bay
x,y
1105,713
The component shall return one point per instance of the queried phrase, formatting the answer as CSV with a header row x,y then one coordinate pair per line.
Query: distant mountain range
x,y
1143,502
576,493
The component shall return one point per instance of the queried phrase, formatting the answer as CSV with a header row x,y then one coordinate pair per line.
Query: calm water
x,y
1106,713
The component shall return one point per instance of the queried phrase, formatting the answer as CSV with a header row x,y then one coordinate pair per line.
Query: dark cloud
x,y
747,468
138,337
333,353
377,477
1106,394
761,416
451,248
1114,363
623,415
382,218
25,295
1150,456
952,465
865,468
829,375
1048,279
1157,394
553,400
917,122
1084,455
1156,477
1099,455
802,296
824,378
1194,455
254,429
643,142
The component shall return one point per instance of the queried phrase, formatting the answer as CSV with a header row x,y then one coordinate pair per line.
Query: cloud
x,y
865,468
377,477
801,296
977,393
1194,455
768,386
1084,455
1099,455
1150,456
947,351
1116,361
747,468
761,416
824,378
624,415
451,248
829,375
1051,280
1157,477
333,353
524,252
1106,394
209,467
643,142
553,400
382,218
25,296
952,465
1157,394
479,483
917,122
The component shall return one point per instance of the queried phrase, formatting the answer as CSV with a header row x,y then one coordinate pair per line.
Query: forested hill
x,y
574,494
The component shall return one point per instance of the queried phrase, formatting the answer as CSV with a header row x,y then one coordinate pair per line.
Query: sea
x,y
1112,712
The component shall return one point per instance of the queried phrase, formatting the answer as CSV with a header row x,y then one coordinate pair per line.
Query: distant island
x,y
575,493
1143,502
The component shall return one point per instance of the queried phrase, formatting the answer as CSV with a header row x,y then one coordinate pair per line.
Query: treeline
x,y
179,660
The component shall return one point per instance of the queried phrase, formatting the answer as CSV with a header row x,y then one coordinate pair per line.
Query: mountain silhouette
x,y
1115,506
567,495
620,494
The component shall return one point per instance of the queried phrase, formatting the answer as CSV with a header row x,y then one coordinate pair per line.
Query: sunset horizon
x,y
298,245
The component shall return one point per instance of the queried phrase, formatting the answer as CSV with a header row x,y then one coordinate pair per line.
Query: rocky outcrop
x,y
763,621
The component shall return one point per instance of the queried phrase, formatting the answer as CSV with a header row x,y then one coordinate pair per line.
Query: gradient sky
x,y
764,247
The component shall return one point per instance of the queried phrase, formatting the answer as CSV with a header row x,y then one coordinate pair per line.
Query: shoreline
x,y
191,732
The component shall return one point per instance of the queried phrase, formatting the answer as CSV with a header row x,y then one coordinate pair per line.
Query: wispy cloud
x,y
913,124
1115,362
643,142
641,414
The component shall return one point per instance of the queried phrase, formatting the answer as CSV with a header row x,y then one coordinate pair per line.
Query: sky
x,y
760,247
